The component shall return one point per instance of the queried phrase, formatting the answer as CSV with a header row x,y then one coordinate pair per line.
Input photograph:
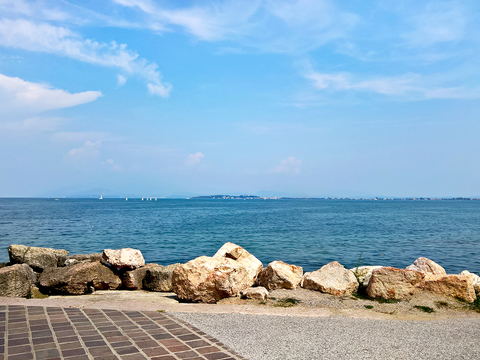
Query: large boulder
x,y
391,283
127,258
474,279
16,280
255,293
364,273
158,277
333,279
458,286
209,279
36,257
428,267
79,278
240,255
279,275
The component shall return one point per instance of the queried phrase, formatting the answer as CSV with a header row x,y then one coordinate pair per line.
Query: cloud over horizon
x,y
289,165
194,159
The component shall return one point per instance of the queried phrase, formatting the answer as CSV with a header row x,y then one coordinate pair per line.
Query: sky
x,y
267,97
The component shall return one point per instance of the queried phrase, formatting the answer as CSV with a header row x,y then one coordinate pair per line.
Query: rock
x,y
427,267
364,273
16,280
279,275
79,278
256,293
474,278
303,278
391,283
124,258
133,279
242,256
333,279
159,278
75,259
36,257
458,286
209,279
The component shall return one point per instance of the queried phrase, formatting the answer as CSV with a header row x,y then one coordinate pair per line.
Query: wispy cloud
x,y
272,26
43,37
409,86
88,150
121,80
194,159
438,22
289,165
36,9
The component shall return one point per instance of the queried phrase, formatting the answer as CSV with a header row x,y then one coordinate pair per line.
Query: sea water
x,y
308,233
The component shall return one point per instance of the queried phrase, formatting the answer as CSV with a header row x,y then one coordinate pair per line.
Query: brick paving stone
x,y
41,333
100,351
47,354
133,357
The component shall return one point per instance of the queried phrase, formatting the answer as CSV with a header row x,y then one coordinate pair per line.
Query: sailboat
x,y
101,197
126,199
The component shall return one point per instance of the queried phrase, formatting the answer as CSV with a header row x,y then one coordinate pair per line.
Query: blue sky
x,y
317,98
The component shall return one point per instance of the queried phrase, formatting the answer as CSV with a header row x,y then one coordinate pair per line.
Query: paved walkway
x,y
40,333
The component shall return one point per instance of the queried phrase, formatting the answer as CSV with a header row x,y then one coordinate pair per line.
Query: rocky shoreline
x,y
232,273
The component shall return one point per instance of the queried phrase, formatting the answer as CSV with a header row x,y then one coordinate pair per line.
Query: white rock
x,y
279,275
209,279
474,278
333,279
256,293
240,255
124,258
428,267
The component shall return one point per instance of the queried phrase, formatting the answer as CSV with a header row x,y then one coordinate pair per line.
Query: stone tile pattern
x,y
41,333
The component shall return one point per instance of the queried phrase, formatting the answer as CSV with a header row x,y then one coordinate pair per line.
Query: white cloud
x,y
289,165
22,102
26,35
282,26
32,8
88,150
17,94
438,22
193,159
121,80
412,86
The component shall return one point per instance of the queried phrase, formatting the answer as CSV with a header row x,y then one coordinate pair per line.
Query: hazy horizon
x,y
313,97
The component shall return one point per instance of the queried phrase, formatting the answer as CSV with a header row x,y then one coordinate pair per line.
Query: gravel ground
x,y
259,337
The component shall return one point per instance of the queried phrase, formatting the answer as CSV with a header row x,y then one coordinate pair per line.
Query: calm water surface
x,y
309,233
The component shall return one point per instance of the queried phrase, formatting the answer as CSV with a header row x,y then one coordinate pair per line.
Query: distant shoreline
x,y
251,197
254,197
